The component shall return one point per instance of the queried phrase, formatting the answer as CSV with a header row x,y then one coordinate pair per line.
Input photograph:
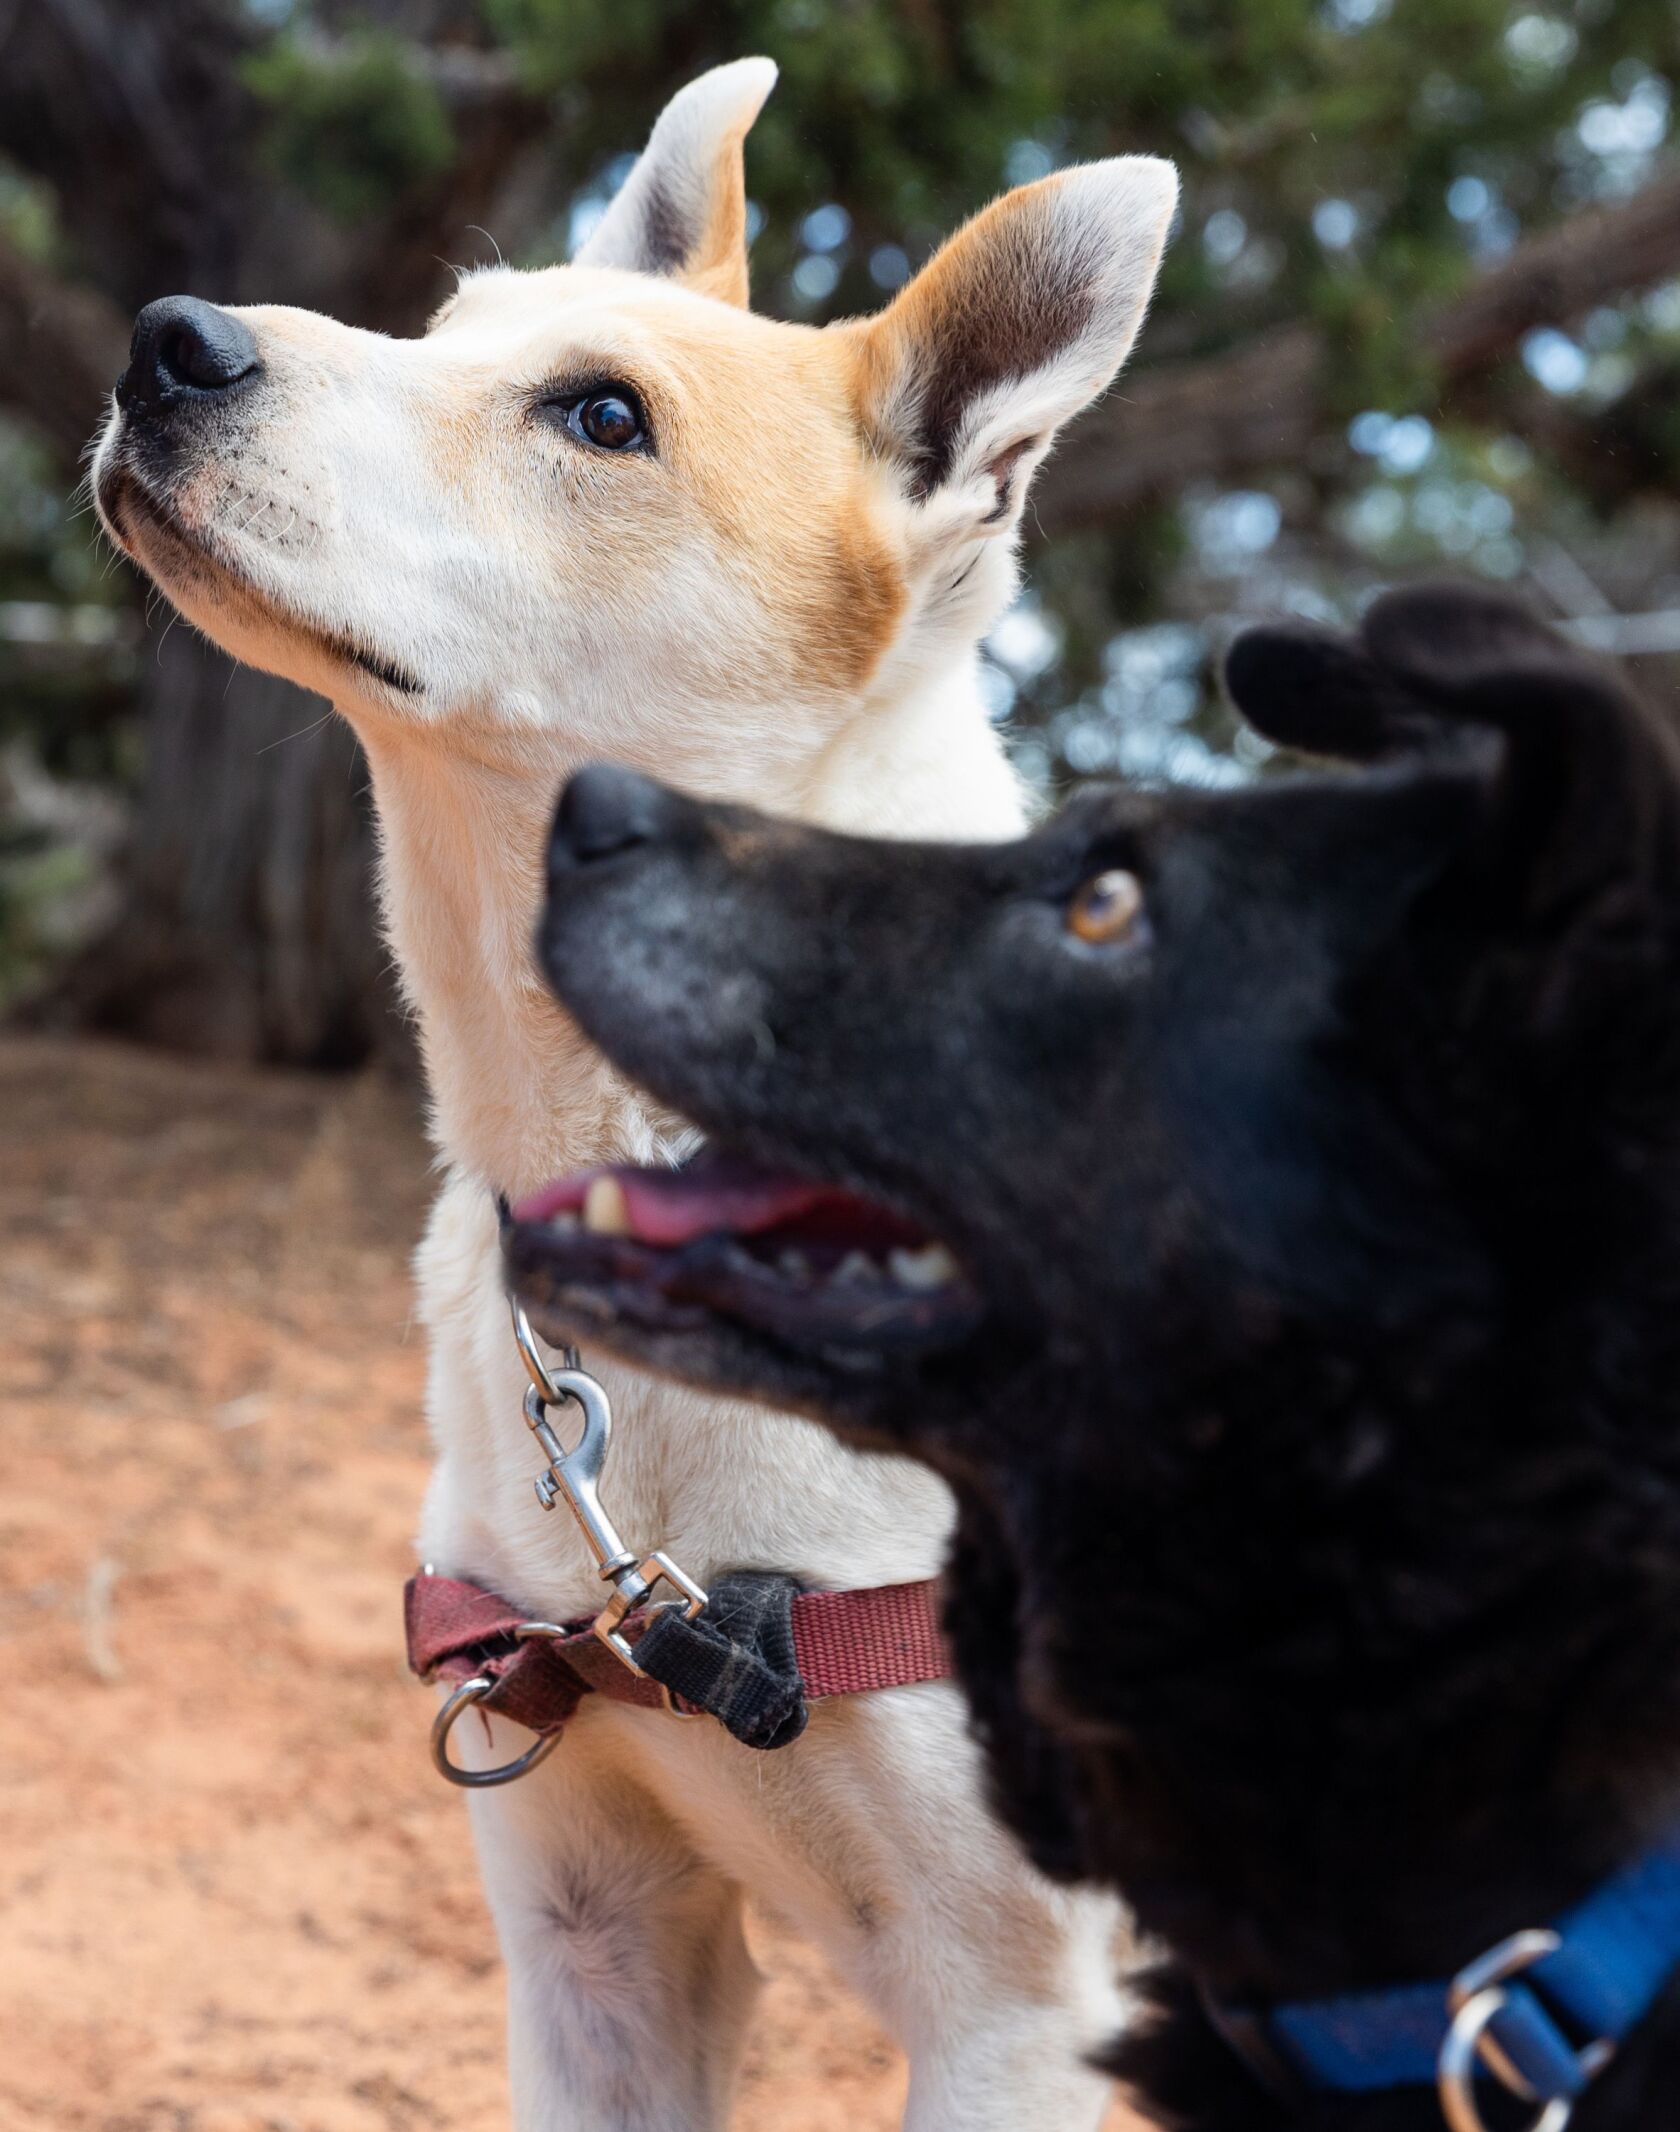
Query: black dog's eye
x,y
610,419
1108,908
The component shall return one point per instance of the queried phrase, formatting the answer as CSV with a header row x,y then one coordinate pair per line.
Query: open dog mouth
x,y
807,1265
124,497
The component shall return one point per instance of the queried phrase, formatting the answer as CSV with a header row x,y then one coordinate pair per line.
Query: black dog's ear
x,y
1443,639
1321,693
1424,658
1586,782
1589,793
1390,688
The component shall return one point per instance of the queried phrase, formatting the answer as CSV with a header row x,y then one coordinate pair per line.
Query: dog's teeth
x,y
604,1208
564,1220
857,1266
930,1267
794,1265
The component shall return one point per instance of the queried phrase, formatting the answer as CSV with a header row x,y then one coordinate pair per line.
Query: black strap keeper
x,y
735,1659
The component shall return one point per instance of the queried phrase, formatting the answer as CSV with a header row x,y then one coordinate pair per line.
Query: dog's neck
x,y
462,829
1306,1776
517,1094
1327,1763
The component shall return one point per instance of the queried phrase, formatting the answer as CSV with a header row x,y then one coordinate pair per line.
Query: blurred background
x,y
1422,311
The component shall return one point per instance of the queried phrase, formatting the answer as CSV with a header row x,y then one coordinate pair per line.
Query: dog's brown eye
x,y
611,420
1108,908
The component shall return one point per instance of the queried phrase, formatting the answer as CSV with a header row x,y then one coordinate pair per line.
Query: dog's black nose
x,y
182,350
607,809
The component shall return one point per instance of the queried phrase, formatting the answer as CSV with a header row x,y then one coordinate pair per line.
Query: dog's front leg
x,y
992,2050
1001,1987
629,1981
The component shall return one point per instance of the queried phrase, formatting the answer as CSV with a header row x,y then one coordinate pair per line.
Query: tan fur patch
x,y
718,268
757,461
769,431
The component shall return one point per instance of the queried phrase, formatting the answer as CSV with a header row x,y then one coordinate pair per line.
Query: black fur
x,y
1318,1455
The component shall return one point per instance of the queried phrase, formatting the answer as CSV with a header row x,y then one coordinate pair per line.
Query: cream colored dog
x,y
603,510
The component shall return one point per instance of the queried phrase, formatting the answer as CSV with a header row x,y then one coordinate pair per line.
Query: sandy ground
x,y
232,1893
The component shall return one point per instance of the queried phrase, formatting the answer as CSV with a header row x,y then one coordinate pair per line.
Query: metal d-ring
x,y
465,1697
1478,1998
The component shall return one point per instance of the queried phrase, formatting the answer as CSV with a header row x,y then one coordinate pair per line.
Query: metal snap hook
x,y
535,1367
574,1477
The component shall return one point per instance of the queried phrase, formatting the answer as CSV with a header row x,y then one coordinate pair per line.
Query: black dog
x,y
1306,1361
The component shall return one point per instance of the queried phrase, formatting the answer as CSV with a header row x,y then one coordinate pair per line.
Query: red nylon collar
x,y
847,1643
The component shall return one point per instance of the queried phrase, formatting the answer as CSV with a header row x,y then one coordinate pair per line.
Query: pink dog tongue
x,y
668,1207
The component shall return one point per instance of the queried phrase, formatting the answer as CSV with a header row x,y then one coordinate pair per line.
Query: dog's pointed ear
x,y
1427,658
1019,321
1320,692
1585,782
683,209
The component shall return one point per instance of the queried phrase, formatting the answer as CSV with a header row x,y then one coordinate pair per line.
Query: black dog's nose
x,y
607,809
183,349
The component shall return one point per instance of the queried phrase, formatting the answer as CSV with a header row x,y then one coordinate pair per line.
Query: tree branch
x,y
1591,259
61,347
1262,405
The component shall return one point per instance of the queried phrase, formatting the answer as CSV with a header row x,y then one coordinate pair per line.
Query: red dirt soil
x,y
232,1893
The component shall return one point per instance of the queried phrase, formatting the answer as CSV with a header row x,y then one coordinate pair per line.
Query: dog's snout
x,y
184,350
606,809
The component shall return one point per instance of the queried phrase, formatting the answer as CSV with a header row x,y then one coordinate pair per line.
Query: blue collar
x,y
1541,2013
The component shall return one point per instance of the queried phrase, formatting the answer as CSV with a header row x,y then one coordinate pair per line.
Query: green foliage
x,y
37,878
353,131
1349,163
26,214
64,622
911,116
66,662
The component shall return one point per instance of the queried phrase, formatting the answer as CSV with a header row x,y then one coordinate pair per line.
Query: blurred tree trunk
x,y
247,925
245,930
